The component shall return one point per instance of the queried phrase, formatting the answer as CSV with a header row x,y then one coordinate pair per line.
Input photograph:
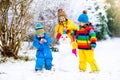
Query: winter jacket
x,y
43,50
69,25
86,37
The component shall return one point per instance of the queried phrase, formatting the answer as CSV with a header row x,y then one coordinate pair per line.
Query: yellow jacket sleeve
x,y
70,26
56,30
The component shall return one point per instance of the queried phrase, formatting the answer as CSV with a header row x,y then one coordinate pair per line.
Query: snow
x,y
106,55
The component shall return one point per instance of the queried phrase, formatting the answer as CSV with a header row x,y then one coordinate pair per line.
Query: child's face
x,y
62,18
81,24
41,35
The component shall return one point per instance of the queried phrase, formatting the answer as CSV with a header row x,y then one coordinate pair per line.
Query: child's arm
x,y
57,33
36,43
93,38
48,40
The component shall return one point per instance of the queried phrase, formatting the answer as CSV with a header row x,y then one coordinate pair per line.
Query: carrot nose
x,y
63,39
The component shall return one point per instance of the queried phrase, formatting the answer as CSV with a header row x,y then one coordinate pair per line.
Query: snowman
x,y
67,60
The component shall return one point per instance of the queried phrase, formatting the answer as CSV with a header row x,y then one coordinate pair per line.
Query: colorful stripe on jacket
x,y
86,38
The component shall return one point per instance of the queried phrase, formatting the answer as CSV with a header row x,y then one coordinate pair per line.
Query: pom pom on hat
x,y
39,29
38,26
61,12
83,17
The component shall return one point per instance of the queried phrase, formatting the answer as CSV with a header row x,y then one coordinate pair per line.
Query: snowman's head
x,y
64,39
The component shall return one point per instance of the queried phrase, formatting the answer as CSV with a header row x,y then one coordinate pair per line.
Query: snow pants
x,y
87,56
42,62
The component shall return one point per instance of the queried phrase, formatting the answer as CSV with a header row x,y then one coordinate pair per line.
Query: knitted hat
x,y
61,12
39,29
83,17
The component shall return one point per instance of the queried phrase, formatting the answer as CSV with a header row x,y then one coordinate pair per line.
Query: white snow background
x,y
106,54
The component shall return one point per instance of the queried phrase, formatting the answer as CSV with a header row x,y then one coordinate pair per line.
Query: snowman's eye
x,y
66,37
62,37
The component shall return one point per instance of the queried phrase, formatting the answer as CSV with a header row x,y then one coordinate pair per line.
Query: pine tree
x,y
102,27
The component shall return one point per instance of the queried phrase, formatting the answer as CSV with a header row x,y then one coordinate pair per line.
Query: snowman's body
x,y
67,60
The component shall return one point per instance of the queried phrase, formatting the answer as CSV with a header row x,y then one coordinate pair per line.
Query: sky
x,y
106,55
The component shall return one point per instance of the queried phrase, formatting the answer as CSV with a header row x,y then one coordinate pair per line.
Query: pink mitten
x,y
74,51
58,36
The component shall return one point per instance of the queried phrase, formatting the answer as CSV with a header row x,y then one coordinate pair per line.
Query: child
x,y
43,55
86,39
65,25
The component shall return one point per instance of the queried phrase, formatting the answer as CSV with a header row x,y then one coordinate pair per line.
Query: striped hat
x,y
39,29
61,12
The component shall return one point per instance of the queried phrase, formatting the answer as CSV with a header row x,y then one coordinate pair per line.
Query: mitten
x,y
58,36
74,51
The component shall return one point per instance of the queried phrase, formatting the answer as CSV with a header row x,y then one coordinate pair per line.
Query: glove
x,y
74,51
58,36
73,38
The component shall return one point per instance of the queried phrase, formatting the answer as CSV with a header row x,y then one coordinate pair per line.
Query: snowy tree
x,y
114,17
102,26
14,20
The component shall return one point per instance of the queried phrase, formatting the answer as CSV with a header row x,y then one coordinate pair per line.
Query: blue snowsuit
x,y
43,53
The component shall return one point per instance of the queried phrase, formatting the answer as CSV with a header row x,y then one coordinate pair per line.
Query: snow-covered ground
x,y
106,54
